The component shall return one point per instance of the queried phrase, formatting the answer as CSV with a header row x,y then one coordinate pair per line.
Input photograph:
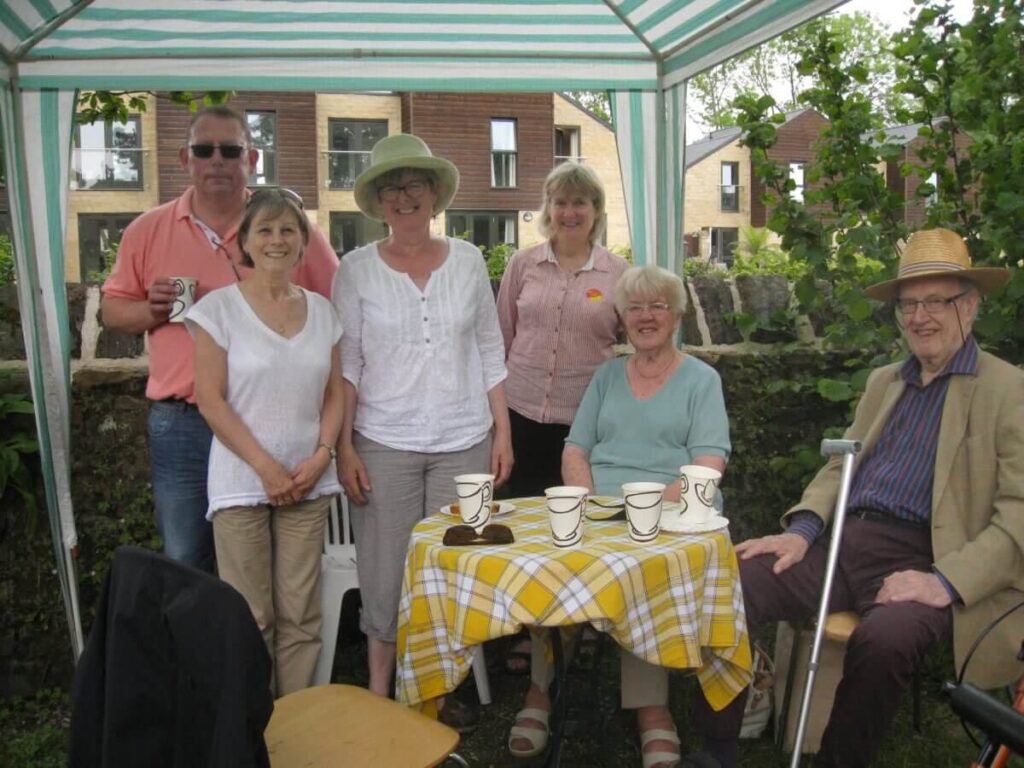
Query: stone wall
x,y
712,301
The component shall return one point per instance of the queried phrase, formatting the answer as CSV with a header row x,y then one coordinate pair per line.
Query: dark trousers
x,y
882,652
537,449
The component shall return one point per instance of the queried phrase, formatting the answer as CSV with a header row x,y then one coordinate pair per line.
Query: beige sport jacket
x,y
977,503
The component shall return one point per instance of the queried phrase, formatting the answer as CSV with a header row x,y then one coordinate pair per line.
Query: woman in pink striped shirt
x,y
559,323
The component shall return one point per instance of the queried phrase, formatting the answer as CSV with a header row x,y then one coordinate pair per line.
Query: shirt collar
x,y
183,210
964,362
593,262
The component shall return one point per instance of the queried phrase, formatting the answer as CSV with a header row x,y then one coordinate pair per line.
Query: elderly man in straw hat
x,y
933,545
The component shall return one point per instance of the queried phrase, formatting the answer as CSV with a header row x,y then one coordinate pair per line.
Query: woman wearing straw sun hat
x,y
424,368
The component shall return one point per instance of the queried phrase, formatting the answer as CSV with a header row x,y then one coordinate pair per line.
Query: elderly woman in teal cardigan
x,y
641,418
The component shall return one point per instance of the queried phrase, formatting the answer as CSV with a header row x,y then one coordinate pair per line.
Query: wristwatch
x,y
330,450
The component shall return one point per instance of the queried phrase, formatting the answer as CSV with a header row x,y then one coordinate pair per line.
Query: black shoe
x,y
699,759
457,715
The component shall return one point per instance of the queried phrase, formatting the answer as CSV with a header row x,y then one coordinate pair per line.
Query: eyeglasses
x,y
654,307
227,151
495,533
287,194
933,305
415,188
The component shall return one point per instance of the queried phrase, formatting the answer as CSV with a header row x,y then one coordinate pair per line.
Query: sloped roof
x,y
397,44
710,144
899,134
722,137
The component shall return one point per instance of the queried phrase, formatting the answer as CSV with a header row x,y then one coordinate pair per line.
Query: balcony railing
x,y
343,166
105,169
730,197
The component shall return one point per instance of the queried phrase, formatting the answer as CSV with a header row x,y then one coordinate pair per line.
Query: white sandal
x,y
654,758
538,737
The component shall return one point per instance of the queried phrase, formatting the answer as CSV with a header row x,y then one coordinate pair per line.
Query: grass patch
x,y
34,730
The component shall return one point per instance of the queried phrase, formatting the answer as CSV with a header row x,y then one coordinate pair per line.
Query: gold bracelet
x,y
330,450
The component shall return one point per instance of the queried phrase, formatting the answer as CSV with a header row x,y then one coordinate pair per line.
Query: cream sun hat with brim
x,y
938,253
403,150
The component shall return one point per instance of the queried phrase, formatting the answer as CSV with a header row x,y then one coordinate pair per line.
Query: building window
x,y
353,230
933,196
503,153
98,233
567,144
485,229
263,127
351,144
108,155
723,240
730,187
796,173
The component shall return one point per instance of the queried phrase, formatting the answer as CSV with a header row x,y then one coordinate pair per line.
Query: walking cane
x,y
848,449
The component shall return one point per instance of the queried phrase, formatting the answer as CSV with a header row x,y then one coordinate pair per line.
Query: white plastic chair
x,y
338,567
338,570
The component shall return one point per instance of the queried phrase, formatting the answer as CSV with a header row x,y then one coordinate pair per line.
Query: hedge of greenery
x,y
774,432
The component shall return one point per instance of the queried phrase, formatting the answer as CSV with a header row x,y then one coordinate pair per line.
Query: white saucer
x,y
498,509
671,522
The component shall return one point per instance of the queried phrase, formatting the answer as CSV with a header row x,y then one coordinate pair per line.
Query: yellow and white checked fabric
x,y
674,601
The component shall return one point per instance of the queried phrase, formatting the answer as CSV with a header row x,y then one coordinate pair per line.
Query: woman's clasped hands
x,y
290,487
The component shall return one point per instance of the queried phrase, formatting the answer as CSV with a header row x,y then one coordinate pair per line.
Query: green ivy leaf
x,y
859,309
835,391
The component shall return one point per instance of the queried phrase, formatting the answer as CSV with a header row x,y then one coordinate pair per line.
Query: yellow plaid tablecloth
x,y
674,601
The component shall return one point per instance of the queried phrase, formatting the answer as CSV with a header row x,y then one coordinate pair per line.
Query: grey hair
x,y
968,286
222,112
651,282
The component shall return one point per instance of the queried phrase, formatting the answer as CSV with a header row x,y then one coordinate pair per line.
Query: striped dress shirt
x,y
897,476
558,328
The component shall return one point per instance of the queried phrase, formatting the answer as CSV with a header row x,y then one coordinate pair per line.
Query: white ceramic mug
x,y
643,509
565,512
475,493
184,298
697,488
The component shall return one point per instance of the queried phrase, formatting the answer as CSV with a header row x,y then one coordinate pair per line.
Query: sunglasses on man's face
x,y
227,151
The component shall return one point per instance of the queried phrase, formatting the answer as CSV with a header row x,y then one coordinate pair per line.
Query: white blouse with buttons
x,y
422,361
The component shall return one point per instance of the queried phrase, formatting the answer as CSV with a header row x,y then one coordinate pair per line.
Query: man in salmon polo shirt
x,y
194,236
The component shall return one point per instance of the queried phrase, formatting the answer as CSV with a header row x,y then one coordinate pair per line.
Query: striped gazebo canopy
x,y
642,51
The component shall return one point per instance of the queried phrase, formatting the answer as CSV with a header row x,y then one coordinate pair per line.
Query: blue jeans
x,y
179,455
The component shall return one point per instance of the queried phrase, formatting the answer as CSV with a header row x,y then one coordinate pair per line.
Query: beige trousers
x,y
272,556
643,684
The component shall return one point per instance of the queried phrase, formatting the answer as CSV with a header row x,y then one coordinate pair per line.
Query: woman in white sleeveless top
x,y
268,382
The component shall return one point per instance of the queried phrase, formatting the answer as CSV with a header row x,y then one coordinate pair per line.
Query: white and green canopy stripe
x,y
37,142
650,133
736,33
610,30
433,73
414,45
